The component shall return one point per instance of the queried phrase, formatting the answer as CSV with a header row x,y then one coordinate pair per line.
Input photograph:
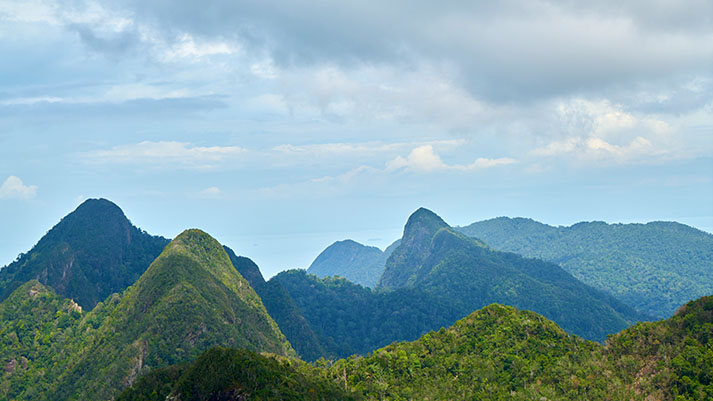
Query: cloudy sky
x,y
280,127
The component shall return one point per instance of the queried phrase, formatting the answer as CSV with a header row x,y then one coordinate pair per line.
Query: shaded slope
x,y
232,374
349,259
90,254
190,299
349,318
435,258
654,267
281,308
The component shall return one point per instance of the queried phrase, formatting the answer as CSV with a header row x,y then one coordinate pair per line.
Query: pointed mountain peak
x,y
91,253
421,226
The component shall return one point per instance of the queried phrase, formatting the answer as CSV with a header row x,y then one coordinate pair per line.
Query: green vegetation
x,y
35,323
496,353
190,299
91,253
233,374
349,318
653,267
468,275
282,309
349,259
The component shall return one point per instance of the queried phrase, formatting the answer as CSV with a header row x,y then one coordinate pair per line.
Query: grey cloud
x,y
504,51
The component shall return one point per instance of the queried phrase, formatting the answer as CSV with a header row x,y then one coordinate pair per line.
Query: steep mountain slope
x,y
235,374
654,267
190,299
90,254
496,353
281,308
435,258
349,259
35,324
349,318
502,353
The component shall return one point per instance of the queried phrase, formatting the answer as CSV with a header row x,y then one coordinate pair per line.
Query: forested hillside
x,y
91,253
190,299
496,353
468,274
653,267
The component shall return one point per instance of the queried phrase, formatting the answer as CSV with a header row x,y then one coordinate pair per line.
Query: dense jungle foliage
x,y
189,300
91,253
653,267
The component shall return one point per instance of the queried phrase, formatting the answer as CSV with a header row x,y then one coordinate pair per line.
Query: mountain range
x,y
167,304
654,267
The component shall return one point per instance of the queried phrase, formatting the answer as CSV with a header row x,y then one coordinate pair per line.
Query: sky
x,y
280,127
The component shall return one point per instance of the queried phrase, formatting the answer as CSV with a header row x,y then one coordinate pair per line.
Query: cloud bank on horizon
x,y
282,104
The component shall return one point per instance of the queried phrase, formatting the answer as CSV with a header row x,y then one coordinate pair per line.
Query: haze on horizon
x,y
280,128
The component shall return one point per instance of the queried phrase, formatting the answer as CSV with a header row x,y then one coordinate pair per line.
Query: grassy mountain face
x,y
496,353
436,259
349,259
190,299
90,254
34,325
500,353
223,374
281,308
349,318
654,267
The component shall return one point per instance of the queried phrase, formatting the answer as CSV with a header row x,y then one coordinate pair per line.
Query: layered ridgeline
x,y
282,309
349,318
191,298
654,267
90,254
496,353
357,263
435,258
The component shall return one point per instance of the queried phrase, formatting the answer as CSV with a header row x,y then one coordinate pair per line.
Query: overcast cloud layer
x,y
280,127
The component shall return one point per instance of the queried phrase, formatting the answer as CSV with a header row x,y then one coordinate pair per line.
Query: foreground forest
x,y
496,353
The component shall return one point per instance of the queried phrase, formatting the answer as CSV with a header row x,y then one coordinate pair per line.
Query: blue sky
x,y
281,127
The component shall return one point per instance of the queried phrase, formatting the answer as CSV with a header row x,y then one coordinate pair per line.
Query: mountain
x,y
435,258
653,267
235,374
35,323
496,353
190,299
91,253
349,259
348,318
281,308
502,353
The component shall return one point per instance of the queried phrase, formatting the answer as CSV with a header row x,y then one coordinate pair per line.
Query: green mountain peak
x,y
91,253
190,299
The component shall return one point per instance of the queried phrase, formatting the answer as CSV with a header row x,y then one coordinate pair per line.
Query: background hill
x,y
653,267
349,318
435,258
90,254
282,309
357,263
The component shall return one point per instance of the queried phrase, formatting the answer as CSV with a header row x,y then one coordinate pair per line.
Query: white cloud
x,y
176,154
425,159
187,47
14,188
597,149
